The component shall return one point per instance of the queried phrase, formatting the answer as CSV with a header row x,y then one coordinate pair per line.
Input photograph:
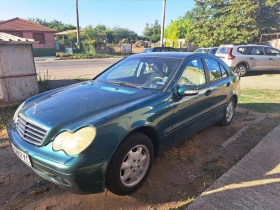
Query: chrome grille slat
x,y
34,138
20,130
20,125
30,131
36,129
36,134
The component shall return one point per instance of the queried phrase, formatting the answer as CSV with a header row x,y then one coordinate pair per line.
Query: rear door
x,y
258,59
219,84
273,55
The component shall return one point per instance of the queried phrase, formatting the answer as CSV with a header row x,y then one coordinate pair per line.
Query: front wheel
x,y
228,113
130,165
241,70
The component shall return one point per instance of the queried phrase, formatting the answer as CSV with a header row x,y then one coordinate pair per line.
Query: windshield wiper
x,y
124,84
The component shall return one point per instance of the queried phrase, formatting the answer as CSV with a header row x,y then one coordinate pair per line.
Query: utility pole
x,y
78,25
162,23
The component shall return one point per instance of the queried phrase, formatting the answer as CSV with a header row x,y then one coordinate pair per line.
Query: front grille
x,y
30,131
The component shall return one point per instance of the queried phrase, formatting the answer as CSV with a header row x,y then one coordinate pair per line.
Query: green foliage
x,y
178,29
54,24
152,32
218,22
114,35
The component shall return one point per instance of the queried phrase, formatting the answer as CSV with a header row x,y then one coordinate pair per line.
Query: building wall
x,y
40,50
49,39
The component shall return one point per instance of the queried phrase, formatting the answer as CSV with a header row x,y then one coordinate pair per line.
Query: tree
x,y
178,29
54,24
233,21
152,32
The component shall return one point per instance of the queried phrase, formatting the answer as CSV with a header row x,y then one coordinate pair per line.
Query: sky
x,y
132,14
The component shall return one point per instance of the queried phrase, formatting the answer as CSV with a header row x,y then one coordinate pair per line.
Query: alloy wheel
x,y
134,166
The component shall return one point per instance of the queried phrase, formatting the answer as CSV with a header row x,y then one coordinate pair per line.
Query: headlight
x,y
74,143
15,118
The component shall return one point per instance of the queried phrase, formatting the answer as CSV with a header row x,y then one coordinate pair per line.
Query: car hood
x,y
82,104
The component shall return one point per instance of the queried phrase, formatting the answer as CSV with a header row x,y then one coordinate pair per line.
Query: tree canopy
x,y
54,24
152,32
233,21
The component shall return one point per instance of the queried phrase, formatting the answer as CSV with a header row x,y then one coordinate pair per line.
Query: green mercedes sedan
x,y
106,132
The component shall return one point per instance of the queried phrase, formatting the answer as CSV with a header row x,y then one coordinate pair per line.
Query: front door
x,y
190,111
257,59
273,61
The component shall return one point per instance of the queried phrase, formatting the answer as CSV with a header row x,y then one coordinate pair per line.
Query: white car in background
x,y
244,58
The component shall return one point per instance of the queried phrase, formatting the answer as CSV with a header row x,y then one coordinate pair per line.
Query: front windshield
x,y
141,72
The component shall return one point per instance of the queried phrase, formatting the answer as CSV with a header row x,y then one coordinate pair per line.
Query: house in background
x,y
26,29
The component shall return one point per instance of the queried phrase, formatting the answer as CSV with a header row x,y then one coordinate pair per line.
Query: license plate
x,y
24,157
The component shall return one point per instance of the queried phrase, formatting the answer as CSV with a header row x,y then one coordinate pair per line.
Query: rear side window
x,y
243,50
223,71
223,50
213,68
257,51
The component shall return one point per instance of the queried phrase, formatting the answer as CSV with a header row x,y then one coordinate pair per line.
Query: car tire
x,y
228,113
130,165
241,70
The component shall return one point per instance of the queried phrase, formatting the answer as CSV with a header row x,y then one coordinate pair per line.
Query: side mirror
x,y
188,90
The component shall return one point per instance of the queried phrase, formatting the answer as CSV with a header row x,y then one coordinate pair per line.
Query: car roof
x,y
237,45
164,54
180,55
208,48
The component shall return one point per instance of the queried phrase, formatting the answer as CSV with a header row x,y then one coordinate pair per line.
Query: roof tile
x,y
18,24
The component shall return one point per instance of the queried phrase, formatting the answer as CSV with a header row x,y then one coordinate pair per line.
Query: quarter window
x,y
243,50
193,74
214,69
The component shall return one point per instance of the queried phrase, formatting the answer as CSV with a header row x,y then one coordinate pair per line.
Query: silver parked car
x,y
244,58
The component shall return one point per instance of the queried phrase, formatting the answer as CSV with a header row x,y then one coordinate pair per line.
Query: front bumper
x,y
82,174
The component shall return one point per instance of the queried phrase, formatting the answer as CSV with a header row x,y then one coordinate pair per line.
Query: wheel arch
x,y
243,63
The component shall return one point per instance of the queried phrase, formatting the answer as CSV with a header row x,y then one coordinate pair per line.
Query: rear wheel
x,y
241,70
130,165
228,113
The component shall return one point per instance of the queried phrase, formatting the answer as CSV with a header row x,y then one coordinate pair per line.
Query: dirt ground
x,y
177,177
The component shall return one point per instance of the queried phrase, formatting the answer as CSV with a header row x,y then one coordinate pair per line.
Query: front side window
x,y
257,51
271,51
39,37
213,69
193,74
141,72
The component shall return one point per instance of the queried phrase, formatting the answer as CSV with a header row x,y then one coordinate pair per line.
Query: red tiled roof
x,y
18,24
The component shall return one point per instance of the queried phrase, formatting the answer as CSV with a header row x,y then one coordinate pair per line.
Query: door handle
x,y
271,59
252,59
228,84
208,92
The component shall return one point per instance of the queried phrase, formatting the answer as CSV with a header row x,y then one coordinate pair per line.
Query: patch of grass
x,y
213,167
264,101
190,159
87,55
